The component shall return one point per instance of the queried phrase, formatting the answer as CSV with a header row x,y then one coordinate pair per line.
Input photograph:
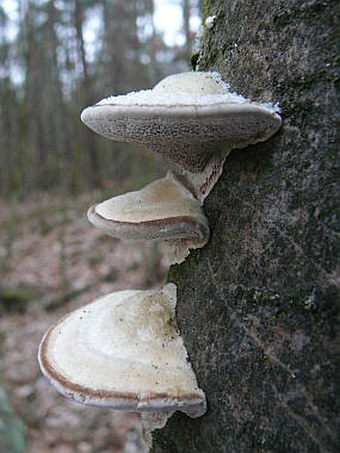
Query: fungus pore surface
x,y
186,117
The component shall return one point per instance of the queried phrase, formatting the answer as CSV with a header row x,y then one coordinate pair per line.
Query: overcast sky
x,y
167,19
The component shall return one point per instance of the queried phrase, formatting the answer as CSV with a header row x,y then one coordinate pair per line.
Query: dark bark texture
x,y
257,306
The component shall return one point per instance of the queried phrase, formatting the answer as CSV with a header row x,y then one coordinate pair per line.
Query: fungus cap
x,y
186,118
163,210
123,351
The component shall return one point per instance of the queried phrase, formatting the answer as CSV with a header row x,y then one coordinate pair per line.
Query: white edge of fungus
x,y
194,407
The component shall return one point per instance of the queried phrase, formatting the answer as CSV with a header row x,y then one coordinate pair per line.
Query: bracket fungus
x,y
163,210
191,119
124,351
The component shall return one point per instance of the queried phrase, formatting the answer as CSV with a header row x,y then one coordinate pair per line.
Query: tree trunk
x,y
257,306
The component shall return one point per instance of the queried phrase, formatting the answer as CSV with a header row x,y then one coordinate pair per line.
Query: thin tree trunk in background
x,y
152,66
36,140
78,22
114,46
257,307
86,96
33,86
38,45
60,145
186,26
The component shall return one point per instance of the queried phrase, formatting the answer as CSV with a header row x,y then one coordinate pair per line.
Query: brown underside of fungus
x,y
124,351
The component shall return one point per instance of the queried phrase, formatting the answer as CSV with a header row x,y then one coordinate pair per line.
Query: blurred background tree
x,y
58,56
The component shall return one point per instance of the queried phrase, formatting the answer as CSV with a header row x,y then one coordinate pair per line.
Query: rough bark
x,y
257,306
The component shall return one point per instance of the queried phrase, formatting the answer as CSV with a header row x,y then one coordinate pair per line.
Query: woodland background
x,y
57,57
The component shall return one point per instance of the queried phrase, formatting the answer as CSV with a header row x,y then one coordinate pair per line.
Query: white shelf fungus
x,y
163,210
124,351
191,119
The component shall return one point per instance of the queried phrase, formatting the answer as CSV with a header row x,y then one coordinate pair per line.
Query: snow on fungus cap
x,y
186,118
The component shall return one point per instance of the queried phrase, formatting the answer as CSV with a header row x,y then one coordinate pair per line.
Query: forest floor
x,y
51,262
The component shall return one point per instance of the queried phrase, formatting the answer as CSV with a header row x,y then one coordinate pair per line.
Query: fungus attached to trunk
x,y
163,210
124,351
191,119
